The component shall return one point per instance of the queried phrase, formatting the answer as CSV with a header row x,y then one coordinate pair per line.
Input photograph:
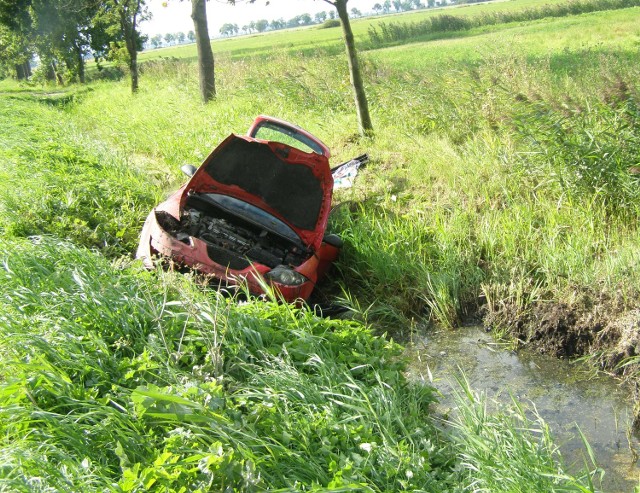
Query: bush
x,y
330,23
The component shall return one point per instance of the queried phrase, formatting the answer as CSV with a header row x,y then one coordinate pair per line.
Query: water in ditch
x,y
565,394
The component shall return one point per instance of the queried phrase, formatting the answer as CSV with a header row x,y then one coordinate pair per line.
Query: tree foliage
x,y
121,19
62,33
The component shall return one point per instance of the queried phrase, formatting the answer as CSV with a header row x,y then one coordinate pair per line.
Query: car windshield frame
x,y
290,132
254,215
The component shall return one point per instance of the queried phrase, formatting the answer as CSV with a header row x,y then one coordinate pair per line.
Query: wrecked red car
x,y
254,212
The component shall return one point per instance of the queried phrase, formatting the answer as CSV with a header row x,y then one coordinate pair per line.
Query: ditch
x,y
568,396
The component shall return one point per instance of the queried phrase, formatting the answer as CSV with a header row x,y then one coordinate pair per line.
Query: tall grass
x,y
117,379
122,378
55,181
385,33
113,378
509,449
510,172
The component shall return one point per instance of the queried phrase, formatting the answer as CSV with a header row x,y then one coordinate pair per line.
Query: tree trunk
x,y
50,74
206,64
130,41
362,107
128,23
133,67
80,62
23,70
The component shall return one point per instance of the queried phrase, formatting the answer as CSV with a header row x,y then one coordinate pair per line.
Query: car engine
x,y
230,242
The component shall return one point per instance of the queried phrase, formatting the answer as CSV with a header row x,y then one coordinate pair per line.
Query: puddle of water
x,y
564,394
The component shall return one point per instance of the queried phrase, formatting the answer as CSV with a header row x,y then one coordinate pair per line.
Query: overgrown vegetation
x,y
487,440
503,179
116,377
54,181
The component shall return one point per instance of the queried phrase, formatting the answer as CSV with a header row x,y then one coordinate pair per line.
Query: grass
x,y
498,456
314,39
557,42
499,174
476,174
445,23
55,181
174,386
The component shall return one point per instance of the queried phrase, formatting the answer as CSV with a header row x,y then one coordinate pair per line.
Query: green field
x,y
502,185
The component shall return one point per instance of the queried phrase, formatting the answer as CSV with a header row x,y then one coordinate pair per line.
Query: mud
x,y
604,329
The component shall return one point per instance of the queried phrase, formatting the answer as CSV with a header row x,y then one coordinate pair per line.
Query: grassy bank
x,y
500,177
118,379
501,181
121,380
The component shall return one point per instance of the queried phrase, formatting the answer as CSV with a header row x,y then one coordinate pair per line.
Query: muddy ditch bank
x,y
602,330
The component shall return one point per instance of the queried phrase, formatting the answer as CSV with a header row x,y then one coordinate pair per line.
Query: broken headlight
x,y
285,275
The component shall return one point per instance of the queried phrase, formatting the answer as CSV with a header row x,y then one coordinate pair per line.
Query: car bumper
x,y
156,242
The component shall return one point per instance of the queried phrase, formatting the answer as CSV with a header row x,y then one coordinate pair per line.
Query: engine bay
x,y
231,241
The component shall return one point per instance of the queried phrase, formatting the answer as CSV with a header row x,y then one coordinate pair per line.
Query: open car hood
x,y
290,184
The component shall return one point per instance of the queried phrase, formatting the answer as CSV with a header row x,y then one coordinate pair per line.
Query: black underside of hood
x,y
292,190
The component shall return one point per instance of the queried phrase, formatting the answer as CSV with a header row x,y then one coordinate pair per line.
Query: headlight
x,y
285,275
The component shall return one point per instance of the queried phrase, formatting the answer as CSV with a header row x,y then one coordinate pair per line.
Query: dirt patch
x,y
603,328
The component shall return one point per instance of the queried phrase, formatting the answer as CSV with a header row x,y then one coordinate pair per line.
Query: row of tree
x,y
169,39
263,25
62,33
400,5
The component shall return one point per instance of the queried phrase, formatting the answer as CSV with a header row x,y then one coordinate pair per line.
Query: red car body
x,y
254,212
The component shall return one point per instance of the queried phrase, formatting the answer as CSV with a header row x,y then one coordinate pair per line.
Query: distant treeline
x,y
398,31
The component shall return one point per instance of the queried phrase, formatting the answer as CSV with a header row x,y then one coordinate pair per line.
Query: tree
x,y
63,30
227,29
278,24
60,31
169,38
355,12
386,6
15,52
156,41
191,36
180,37
206,63
262,25
126,14
320,17
294,21
377,8
362,106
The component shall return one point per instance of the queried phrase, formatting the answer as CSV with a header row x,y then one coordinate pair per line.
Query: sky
x,y
176,16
